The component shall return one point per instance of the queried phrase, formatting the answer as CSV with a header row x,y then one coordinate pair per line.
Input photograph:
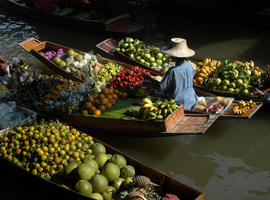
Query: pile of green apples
x,y
150,56
74,62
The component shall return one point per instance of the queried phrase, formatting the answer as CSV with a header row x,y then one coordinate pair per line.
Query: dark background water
x,y
231,160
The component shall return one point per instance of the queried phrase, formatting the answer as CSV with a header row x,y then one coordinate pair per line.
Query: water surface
x,y
231,160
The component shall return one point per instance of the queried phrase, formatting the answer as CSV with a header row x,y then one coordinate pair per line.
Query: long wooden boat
x,y
121,23
38,49
33,187
178,123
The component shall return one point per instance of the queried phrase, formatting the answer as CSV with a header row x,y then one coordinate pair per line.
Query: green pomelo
x,y
101,159
127,171
85,171
119,160
111,171
92,163
84,187
98,148
99,183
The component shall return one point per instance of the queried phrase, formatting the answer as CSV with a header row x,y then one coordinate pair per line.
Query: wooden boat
x,y
121,24
35,187
178,123
38,48
247,115
200,90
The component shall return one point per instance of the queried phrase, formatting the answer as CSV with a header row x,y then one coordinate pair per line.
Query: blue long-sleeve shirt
x,y
177,83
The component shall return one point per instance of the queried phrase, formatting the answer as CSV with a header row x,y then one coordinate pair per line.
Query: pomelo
x,y
119,160
111,171
84,187
85,171
98,148
127,171
99,183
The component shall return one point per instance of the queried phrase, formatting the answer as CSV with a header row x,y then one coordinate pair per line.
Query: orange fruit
x,y
97,112
87,105
104,101
111,90
91,99
110,97
101,96
124,95
108,105
92,109
102,108
105,91
84,112
97,101
114,96
113,101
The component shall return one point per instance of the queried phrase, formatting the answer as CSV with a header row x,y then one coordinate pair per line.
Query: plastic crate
x,y
27,116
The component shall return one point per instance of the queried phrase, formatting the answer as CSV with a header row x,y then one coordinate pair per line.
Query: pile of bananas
x,y
243,106
107,71
204,69
157,109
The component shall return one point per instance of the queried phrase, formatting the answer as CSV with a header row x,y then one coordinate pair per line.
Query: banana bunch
x,y
243,106
157,110
206,67
107,71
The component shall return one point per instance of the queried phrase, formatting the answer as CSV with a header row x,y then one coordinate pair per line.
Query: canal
x,y
230,161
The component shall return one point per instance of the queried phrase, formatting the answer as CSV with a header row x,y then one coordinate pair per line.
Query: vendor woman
x,y
177,83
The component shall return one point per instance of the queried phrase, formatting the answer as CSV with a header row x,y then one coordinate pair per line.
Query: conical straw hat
x,y
179,48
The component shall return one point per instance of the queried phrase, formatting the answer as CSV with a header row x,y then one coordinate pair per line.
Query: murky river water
x,y
231,161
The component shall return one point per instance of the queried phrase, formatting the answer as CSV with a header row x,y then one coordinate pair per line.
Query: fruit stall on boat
x,y
122,109
53,156
76,18
248,82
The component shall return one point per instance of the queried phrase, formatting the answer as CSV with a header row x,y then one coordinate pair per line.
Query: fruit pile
x,y
204,69
37,88
105,100
243,106
67,98
130,79
44,148
106,72
57,152
235,77
79,64
148,55
100,175
157,109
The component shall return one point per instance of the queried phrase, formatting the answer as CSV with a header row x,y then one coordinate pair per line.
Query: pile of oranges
x,y
100,102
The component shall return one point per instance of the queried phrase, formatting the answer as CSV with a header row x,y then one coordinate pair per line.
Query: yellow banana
x,y
147,101
147,105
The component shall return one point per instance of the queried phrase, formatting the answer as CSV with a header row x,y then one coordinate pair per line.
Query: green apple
x,y
62,64
78,57
57,60
71,52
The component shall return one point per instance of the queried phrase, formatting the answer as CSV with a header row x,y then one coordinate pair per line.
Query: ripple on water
x,y
13,31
